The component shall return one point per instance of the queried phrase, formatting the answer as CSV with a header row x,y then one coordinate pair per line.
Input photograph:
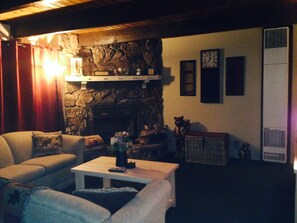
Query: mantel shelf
x,y
85,79
112,78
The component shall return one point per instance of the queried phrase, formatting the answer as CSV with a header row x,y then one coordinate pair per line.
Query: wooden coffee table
x,y
144,172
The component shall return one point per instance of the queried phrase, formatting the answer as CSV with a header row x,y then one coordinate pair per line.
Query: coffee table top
x,y
144,172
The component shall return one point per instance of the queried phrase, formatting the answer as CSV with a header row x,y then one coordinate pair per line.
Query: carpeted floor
x,y
258,192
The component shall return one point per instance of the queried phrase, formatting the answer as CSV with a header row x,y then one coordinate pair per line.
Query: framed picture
x,y
211,86
235,67
76,66
188,78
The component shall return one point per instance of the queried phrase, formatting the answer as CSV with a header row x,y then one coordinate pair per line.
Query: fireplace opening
x,y
108,119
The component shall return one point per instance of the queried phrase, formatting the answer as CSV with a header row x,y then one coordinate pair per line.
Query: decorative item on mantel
x,y
120,71
76,66
120,143
138,71
151,71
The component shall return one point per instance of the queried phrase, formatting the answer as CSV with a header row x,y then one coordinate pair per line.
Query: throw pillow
x,y
110,198
46,144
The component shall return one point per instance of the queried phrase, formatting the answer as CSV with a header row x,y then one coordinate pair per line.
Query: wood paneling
x,y
150,17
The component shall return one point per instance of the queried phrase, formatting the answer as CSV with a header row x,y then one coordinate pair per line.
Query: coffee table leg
x,y
79,181
106,182
172,198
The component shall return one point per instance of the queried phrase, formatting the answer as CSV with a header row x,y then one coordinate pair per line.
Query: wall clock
x,y
210,58
210,76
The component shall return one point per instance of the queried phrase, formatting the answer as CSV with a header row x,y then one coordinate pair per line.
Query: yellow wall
x,y
240,116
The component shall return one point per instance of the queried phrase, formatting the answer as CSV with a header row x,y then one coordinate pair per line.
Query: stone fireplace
x,y
114,106
110,106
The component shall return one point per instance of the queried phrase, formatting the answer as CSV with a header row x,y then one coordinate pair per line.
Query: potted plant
x,y
120,143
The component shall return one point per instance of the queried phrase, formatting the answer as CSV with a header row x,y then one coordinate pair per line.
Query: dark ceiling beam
x,y
15,4
205,13
241,19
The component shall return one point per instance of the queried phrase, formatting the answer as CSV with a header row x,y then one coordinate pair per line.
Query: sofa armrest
x,y
75,145
149,205
51,206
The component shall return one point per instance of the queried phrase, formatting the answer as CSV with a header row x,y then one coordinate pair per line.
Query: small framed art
x,y
188,78
235,67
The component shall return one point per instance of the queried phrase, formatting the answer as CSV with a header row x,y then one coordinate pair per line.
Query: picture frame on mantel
x,y
235,75
76,66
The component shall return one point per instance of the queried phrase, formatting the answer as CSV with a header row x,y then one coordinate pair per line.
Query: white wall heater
x,y
275,94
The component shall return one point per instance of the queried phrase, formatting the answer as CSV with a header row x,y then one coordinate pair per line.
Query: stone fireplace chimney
x,y
106,107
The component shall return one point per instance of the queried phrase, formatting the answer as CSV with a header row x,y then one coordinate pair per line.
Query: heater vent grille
x,y
274,138
274,156
275,38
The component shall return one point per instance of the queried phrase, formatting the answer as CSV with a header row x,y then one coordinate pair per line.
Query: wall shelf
x,y
85,79
112,78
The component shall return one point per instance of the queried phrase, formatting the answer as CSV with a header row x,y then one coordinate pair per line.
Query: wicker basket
x,y
207,148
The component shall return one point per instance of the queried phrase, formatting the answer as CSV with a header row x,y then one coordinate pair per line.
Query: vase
x,y
121,159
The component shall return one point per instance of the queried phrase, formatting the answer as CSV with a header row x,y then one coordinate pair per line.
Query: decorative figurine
x,y
244,153
138,71
180,131
151,135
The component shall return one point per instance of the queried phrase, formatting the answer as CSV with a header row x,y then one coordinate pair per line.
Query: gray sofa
x,y
17,164
49,206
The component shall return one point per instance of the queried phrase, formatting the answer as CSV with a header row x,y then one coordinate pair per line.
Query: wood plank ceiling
x,y
154,18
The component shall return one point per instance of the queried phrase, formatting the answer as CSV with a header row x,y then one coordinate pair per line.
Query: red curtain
x,y
10,87
1,94
28,94
48,106
25,86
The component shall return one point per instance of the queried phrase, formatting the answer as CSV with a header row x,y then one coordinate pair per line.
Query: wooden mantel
x,y
85,79
112,78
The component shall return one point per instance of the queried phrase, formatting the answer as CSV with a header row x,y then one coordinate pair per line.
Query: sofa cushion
x,y
44,144
5,154
22,173
110,198
20,144
52,163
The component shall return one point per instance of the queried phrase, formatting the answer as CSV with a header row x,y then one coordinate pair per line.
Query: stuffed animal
x,y
182,127
244,153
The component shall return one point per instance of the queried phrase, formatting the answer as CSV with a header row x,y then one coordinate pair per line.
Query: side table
x,y
144,173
